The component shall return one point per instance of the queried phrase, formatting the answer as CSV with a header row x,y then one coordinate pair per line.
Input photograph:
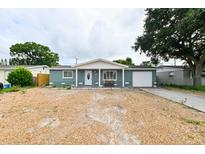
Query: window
x,y
109,75
203,74
171,74
67,74
88,76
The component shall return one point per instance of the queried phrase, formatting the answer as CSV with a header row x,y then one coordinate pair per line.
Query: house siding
x,y
95,78
154,77
187,80
56,77
2,78
203,81
81,77
128,78
180,77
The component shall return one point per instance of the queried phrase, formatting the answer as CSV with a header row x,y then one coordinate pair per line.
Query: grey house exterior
x,y
176,75
100,72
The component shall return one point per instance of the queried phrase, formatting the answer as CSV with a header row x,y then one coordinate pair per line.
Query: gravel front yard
x,y
57,116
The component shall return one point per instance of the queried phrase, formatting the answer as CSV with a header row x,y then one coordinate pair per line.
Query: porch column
x,y
76,77
123,77
99,79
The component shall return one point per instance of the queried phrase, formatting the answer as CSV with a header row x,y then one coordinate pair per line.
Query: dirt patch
x,y
113,118
2,115
58,116
27,109
49,122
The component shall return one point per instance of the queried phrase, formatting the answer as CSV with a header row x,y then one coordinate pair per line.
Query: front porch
x,y
99,78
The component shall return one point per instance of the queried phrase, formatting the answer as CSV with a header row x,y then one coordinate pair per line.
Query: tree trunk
x,y
197,76
198,70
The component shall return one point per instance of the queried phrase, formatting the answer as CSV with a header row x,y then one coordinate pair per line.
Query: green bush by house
x,y
20,77
1,86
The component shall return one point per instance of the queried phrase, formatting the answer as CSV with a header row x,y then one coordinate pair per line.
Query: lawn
x,y
192,88
14,89
120,116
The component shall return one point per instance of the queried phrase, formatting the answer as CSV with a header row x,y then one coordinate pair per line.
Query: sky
x,y
83,33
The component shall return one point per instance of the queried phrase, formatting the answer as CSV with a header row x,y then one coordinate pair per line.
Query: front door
x,y
88,78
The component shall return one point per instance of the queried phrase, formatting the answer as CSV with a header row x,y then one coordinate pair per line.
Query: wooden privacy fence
x,y
42,79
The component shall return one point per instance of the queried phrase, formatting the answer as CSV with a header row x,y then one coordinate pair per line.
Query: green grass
x,y
15,89
195,122
200,88
12,89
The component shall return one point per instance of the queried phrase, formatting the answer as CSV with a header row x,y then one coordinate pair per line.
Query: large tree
x,y
127,61
31,53
175,33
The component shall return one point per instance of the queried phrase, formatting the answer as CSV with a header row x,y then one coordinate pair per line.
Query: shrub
x,y
1,86
68,87
15,89
20,77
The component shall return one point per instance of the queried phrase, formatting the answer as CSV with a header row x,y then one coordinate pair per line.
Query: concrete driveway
x,y
190,99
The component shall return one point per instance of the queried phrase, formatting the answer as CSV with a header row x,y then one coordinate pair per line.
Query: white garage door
x,y
142,79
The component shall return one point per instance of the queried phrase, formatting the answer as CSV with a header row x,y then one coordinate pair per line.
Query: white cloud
x,y
82,33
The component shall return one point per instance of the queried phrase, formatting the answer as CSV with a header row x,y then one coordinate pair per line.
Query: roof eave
x,y
100,59
65,68
142,68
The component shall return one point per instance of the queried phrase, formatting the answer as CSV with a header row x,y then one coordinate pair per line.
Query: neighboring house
x,y
177,75
35,69
102,73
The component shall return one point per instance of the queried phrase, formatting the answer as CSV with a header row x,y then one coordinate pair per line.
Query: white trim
x,y
64,68
99,59
67,77
109,79
39,66
123,77
99,78
100,68
126,69
28,67
141,69
76,77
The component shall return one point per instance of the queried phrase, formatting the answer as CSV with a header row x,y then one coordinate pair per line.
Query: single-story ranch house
x,y
102,73
35,69
176,75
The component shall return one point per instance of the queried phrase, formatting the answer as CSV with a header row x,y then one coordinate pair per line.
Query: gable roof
x,y
62,67
100,60
172,66
11,67
141,68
